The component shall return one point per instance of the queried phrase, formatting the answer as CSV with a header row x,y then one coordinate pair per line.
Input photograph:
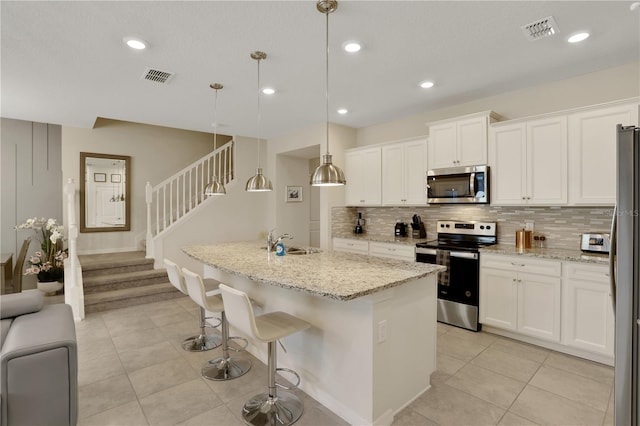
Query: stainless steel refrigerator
x,y
624,270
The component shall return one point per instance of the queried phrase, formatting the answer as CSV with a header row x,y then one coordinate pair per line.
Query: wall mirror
x,y
105,192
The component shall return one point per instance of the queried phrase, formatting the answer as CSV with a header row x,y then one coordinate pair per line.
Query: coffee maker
x,y
400,229
359,229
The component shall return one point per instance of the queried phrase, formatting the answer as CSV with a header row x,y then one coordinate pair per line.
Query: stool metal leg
x,y
203,341
225,367
272,408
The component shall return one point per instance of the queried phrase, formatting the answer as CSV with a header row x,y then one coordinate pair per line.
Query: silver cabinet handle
x,y
517,264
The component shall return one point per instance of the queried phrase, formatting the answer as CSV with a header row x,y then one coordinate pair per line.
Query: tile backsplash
x,y
561,226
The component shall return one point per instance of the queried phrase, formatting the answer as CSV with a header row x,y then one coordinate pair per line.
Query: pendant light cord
x,y
215,120
327,78
259,113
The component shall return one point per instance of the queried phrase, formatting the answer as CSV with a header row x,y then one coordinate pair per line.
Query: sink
x,y
299,250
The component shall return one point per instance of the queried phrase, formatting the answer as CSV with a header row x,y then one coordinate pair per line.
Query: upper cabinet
x,y
363,168
404,167
528,162
459,142
592,152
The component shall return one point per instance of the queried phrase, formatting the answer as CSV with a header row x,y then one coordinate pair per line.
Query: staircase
x,y
118,280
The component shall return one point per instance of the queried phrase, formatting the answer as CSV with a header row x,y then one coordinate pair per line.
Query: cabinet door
x,y
442,146
415,172
372,184
587,313
354,174
507,158
393,171
539,306
351,246
472,141
547,161
393,251
592,140
498,298
363,174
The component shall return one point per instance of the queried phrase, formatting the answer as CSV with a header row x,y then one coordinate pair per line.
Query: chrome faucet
x,y
271,243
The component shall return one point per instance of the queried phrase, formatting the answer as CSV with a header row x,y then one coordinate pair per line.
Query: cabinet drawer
x,y
589,272
351,246
522,264
394,251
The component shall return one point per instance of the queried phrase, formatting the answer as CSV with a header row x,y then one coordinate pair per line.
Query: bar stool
x,y
271,408
203,341
225,367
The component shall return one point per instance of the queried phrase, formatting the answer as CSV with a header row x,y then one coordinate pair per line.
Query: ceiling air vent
x,y
158,76
540,29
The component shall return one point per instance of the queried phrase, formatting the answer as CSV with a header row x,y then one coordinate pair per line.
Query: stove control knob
x,y
488,226
442,225
482,227
447,225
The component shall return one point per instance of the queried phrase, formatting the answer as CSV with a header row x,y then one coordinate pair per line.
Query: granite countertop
x,y
335,275
380,238
548,253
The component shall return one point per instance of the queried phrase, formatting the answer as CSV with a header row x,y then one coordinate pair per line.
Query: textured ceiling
x,y
65,62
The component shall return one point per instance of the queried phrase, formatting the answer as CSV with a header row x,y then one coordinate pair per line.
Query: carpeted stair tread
x,y
115,299
104,264
124,276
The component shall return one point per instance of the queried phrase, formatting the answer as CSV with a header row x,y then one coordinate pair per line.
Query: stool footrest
x,y
246,343
288,370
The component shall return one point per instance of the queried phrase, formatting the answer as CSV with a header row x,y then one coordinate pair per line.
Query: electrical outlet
x,y
382,331
528,226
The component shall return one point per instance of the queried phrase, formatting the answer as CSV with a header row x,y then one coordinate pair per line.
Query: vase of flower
x,y
47,263
49,287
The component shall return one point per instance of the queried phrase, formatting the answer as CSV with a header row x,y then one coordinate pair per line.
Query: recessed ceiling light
x,y
578,37
343,111
426,84
352,47
268,91
135,43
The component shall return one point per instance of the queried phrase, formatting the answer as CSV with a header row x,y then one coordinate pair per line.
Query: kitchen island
x,y
372,345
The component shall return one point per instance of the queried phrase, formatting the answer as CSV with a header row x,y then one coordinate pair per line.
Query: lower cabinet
x,y
587,313
405,252
567,304
521,295
351,246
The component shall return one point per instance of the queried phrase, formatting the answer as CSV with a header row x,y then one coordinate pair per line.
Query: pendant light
x,y
215,187
258,182
327,174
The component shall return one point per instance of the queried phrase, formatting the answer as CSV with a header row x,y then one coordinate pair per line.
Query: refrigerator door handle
x,y
612,257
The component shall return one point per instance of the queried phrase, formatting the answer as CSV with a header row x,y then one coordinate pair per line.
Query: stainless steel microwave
x,y
458,185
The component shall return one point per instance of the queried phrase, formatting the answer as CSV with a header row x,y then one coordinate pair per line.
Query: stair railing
x,y
73,288
170,201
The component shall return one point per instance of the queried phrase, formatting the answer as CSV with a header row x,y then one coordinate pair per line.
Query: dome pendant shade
x,y
214,188
258,183
327,174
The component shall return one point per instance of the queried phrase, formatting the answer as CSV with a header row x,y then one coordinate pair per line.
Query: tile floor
x,y
132,371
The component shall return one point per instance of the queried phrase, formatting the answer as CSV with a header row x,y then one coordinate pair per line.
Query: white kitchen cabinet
x,y
528,162
592,150
521,295
351,246
404,167
362,171
587,313
459,142
393,251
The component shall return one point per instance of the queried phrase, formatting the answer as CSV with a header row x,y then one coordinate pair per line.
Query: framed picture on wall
x,y
116,178
294,194
99,177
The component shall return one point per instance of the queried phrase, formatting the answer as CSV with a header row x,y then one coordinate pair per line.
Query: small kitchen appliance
x,y
454,185
523,239
359,229
458,248
596,242
400,229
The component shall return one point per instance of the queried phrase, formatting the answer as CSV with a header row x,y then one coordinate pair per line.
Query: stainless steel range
x,y
457,248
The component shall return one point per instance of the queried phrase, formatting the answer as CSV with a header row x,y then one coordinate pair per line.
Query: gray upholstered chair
x,y
38,361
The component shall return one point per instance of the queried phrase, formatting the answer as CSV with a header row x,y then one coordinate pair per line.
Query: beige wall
x,y
156,153
604,86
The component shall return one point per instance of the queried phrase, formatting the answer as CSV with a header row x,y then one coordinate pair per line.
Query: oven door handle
x,y
458,254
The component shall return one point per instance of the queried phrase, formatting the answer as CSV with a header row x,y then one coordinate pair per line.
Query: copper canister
x,y
523,239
